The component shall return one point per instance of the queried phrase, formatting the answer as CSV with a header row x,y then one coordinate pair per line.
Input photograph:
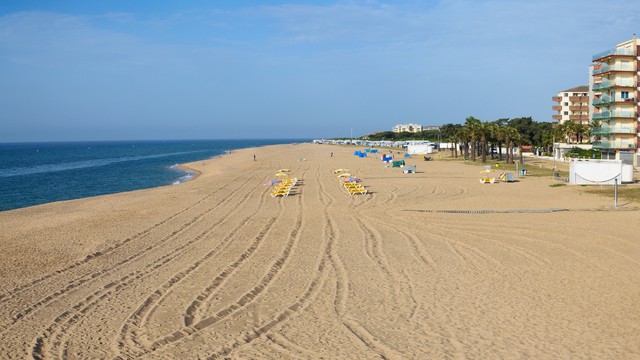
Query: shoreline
x,y
183,167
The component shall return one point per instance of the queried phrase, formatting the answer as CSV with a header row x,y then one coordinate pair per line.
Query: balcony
x,y
557,117
606,100
557,98
578,108
579,99
607,84
605,115
613,52
579,117
618,144
619,67
605,130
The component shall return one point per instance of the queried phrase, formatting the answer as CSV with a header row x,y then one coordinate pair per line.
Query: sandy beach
x,y
429,265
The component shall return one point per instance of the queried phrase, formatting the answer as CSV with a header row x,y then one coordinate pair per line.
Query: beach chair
x,y
355,188
487,180
506,177
281,191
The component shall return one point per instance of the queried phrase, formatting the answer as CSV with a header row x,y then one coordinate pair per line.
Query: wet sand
x,y
427,265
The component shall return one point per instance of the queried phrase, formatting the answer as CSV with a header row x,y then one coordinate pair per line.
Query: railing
x,y
613,52
602,101
618,67
614,130
615,144
608,84
614,114
608,100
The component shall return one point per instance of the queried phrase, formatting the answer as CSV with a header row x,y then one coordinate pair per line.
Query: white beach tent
x,y
595,172
423,148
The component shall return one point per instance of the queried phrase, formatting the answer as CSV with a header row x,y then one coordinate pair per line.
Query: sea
x,y
38,173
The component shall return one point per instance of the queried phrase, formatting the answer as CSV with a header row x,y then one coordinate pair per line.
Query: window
x,y
566,94
566,104
624,94
566,113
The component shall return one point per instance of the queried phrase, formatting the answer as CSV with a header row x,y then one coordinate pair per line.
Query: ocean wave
x,y
74,165
184,178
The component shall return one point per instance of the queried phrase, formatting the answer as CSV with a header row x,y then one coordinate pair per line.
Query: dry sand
x,y
217,268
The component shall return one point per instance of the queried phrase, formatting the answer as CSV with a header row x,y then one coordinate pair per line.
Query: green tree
x,y
483,131
471,124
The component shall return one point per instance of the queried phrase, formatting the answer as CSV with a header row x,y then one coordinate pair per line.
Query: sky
x,y
142,70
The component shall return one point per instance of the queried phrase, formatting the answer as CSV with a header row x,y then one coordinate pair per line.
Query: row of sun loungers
x,y
354,188
350,183
284,188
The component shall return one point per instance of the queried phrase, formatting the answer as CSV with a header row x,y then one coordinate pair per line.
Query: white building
x,y
615,99
412,128
572,105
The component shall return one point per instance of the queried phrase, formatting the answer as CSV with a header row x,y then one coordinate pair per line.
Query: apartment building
x,y
572,104
413,128
615,101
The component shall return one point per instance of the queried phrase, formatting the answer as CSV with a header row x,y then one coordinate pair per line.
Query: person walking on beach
x,y
332,154
254,157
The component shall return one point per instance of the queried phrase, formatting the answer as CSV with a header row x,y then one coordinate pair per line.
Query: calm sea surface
x,y
37,173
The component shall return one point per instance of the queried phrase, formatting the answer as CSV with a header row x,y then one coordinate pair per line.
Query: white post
x,y
615,193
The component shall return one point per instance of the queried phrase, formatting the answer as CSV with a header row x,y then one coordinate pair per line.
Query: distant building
x,y
412,128
430,128
615,101
572,104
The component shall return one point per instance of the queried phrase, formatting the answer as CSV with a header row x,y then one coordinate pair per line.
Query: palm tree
x,y
471,124
511,134
483,131
520,140
593,126
570,128
463,136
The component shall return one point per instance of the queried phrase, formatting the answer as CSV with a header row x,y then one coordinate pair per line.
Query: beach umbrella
x,y
280,174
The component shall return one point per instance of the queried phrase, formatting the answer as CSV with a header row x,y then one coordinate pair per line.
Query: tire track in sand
x,y
130,332
264,284
342,286
51,337
312,291
95,255
76,283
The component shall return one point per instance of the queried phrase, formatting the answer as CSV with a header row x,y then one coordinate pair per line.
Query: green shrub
x,y
577,152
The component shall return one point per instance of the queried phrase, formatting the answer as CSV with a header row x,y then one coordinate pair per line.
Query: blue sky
x,y
107,70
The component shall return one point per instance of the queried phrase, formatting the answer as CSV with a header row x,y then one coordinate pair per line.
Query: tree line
x,y
480,139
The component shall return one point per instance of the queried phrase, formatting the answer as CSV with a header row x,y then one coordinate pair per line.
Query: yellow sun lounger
x,y
354,188
281,191
486,180
340,170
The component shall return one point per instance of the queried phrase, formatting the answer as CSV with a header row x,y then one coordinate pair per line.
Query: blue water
x,y
37,173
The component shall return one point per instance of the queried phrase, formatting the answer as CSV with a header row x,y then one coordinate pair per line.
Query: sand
x,y
428,265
